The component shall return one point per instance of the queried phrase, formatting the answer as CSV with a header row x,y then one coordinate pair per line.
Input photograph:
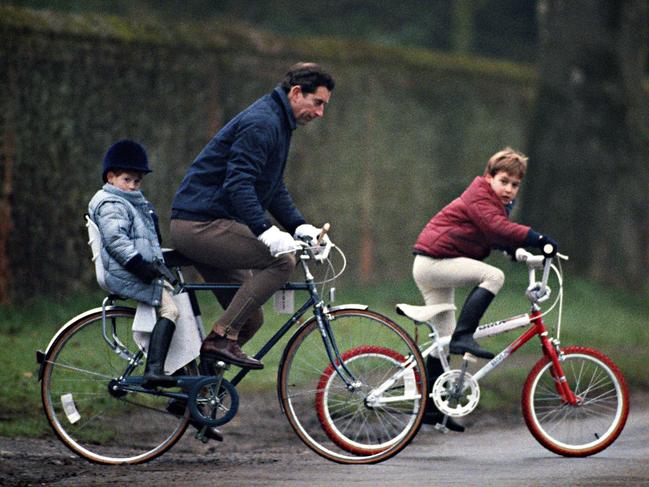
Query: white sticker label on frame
x,y
409,384
284,302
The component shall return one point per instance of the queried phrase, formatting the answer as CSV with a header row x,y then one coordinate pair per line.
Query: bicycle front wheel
x,y
89,415
585,428
377,413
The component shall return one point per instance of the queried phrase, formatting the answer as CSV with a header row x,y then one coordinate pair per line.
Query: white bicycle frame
x,y
536,292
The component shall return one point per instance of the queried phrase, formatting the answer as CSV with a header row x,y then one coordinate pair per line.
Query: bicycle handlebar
x,y
165,272
305,243
538,291
533,260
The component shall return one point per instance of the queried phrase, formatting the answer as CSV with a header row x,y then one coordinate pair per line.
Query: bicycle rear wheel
x,y
96,421
349,425
588,427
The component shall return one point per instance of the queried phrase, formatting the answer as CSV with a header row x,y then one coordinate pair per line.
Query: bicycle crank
x,y
452,398
213,401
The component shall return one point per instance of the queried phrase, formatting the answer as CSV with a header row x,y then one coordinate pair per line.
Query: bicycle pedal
x,y
469,357
219,367
200,435
441,428
213,367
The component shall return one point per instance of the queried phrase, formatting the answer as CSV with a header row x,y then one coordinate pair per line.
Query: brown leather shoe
x,y
222,348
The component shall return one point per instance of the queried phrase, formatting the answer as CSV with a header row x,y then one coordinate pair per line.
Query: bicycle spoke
x,y
77,369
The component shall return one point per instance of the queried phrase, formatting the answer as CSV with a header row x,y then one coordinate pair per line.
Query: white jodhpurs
x,y
438,278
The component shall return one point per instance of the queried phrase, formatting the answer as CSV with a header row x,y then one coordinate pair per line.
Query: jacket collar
x,y
133,197
281,98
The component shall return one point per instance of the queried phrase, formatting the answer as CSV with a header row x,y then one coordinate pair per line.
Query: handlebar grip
x,y
323,232
548,250
523,255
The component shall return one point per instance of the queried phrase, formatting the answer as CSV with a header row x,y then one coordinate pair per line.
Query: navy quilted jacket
x,y
239,174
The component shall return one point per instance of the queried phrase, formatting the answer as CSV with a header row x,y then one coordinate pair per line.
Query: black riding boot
x,y
433,415
154,374
474,307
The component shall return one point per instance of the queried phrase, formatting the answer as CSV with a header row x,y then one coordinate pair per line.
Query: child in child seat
x,y
130,238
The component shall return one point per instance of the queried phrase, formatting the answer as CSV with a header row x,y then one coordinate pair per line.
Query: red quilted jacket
x,y
470,226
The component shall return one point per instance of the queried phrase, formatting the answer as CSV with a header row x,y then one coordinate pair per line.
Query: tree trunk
x,y
588,181
463,33
7,157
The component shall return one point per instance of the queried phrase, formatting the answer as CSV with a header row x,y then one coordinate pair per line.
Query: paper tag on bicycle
x,y
284,302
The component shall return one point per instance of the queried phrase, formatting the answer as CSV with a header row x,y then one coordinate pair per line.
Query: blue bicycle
x,y
92,394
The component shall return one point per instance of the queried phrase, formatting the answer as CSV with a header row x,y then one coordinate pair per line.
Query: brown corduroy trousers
x,y
227,251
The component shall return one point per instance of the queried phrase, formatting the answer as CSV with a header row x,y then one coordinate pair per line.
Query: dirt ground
x,y
258,436
261,449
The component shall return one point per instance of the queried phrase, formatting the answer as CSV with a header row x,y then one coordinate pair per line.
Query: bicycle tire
x,y
340,424
371,356
105,427
591,426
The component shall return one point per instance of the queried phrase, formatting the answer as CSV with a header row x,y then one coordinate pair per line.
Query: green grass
x,y
611,321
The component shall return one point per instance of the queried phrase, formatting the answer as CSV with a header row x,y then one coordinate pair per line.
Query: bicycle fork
x,y
331,348
552,350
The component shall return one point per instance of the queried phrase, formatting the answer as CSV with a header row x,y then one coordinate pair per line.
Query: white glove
x,y
277,241
306,230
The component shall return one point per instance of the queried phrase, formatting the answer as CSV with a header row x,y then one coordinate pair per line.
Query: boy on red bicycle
x,y
450,250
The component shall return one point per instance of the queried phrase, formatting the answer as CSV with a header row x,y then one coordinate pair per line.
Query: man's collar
x,y
280,95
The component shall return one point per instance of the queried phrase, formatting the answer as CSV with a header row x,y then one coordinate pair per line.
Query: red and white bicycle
x,y
575,400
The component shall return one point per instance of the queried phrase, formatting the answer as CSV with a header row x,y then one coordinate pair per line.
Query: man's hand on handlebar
x,y
278,242
316,238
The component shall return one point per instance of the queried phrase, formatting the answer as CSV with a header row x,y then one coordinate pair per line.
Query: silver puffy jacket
x,y
125,221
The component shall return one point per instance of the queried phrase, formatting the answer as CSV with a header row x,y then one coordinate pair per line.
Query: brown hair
x,y
309,76
509,160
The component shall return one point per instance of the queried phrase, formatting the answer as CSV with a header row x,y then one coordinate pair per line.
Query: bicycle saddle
x,y
421,314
